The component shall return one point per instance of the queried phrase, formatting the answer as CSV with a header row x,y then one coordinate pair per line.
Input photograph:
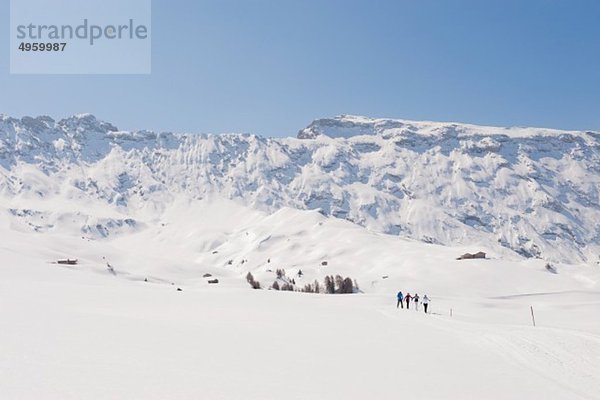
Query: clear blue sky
x,y
270,67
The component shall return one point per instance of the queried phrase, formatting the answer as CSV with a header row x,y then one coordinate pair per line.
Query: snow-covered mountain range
x,y
533,191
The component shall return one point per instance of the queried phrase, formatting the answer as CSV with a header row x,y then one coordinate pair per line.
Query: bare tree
x,y
317,286
254,283
308,288
339,283
329,284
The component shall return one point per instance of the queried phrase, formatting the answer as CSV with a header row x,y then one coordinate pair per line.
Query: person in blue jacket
x,y
400,297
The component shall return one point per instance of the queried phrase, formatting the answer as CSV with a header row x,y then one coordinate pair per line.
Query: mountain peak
x,y
86,122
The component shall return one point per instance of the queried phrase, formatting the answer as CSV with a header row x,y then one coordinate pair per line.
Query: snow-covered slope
x,y
534,191
146,214
126,332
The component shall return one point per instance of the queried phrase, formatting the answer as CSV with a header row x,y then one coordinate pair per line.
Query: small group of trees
x,y
330,285
254,283
314,287
339,284
286,286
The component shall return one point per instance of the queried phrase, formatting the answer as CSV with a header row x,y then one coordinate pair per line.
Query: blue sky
x,y
270,67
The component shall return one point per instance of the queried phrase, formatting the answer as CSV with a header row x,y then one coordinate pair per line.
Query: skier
x,y
425,303
407,299
416,301
400,298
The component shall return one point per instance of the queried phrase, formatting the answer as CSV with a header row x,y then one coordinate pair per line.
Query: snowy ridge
x,y
351,125
534,191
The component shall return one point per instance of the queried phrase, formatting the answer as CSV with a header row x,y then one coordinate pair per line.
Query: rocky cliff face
x,y
535,191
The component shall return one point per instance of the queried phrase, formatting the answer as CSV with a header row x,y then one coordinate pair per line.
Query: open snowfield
x,y
389,203
82,332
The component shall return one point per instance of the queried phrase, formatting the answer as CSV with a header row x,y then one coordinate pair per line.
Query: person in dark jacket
x,y
416,301
400,298
407,299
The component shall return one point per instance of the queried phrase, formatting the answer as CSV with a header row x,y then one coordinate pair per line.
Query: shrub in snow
x,y
551,268
275,285
111,269
254,283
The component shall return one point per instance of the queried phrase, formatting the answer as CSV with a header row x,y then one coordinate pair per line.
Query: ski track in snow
x,y
566,357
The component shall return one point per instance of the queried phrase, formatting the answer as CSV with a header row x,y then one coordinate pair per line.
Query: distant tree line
x,y
331,284
337,284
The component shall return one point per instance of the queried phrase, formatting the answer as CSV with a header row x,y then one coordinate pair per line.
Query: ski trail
x,y
570,359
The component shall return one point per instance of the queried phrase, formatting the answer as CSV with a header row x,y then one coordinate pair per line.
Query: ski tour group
x,y
415,299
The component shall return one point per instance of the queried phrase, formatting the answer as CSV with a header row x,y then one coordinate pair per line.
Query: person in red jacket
x,y
407,299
